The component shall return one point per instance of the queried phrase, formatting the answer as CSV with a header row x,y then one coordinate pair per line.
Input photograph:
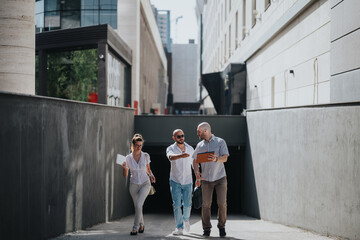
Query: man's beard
x,y
178,142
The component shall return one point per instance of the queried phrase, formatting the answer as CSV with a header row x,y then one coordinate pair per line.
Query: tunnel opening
x,y
161,202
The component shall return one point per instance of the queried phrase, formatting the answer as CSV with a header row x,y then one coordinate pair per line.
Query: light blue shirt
x,y
212,171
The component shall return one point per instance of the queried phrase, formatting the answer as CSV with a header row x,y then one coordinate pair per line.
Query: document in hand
x,y
120,159
203,157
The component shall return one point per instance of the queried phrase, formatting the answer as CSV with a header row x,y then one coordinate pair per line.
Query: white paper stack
x,y
120,159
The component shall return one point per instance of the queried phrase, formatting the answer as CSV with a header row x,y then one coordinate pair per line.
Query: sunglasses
x,y
180,136
138,146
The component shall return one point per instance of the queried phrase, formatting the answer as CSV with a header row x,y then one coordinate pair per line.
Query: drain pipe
x,y
285,86
316,81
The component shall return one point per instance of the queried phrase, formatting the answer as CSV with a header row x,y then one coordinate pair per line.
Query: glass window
x,y
253,13
108,4
70,19
39,22
267,4
63,14
89,4
89,17
52,21
73,75
52,5
116,81
108,16
70,5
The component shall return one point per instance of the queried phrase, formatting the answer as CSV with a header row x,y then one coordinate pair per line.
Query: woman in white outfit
x,y
140,176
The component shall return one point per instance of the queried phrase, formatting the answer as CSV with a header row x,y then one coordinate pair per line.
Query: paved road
x,y
160,227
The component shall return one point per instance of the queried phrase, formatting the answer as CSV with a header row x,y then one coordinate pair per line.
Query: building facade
x,y
185,86
55,14
286,46
91,64
135,24
163,22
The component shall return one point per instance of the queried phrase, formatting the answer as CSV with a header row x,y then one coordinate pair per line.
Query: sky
x,y
186,27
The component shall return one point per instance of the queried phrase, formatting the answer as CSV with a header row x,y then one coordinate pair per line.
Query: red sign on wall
x,y
93,97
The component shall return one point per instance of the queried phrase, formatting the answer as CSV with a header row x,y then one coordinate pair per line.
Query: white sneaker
x,y
187,226
178,231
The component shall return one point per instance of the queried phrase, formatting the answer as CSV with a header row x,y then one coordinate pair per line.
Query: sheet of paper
x,y
120,159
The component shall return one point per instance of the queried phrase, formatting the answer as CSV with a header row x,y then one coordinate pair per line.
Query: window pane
x,y
39,22
52,5
108,17
39,7
73,75
70,19
52,20
89,4
108,4
116,81
70,5
89,17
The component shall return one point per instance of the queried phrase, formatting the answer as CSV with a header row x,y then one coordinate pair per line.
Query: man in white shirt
x,y
180,156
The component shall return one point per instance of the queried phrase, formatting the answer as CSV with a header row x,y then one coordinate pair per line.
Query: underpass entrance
x,y
157,132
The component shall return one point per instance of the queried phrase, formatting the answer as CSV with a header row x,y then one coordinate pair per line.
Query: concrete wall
x,y
57,168
307,168
185,86
17,53
345,59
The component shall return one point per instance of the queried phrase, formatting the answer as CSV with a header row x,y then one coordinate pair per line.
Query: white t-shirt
x,y
138,173
180,171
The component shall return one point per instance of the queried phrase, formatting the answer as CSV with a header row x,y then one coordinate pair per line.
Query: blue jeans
x,y
181,192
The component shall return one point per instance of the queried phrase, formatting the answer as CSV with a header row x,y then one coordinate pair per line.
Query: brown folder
x,y
203,157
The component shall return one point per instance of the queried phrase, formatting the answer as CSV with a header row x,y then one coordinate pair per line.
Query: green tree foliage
x,y
72,74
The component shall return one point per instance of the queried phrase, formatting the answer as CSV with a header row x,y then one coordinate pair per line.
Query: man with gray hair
x,y
213,176
180,156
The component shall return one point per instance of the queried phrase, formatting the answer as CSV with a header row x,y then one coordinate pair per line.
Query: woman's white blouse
x,y
138,173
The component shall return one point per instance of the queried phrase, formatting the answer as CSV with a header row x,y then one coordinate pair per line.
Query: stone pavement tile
x,y
160,226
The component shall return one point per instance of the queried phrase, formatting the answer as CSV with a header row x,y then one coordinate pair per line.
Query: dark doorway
x,y
161,202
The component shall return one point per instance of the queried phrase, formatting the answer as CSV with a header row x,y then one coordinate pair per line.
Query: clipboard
x,y
120,159
203,157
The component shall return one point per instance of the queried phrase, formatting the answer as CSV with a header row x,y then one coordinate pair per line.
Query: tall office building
x,y
56,14
185,86
163,22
